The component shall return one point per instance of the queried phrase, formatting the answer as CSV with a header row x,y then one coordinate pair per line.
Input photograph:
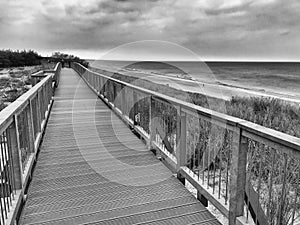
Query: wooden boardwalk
x,y
92,170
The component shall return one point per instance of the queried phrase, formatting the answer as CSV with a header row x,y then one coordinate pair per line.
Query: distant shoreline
x,y
218,89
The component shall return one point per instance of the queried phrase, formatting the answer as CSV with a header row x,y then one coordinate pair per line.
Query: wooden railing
x,y
38,76
248,172
22,124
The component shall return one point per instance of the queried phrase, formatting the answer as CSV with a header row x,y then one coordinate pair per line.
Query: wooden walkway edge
x,y
92,170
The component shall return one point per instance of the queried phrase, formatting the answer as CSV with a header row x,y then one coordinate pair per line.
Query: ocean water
x,y
274,79
281,78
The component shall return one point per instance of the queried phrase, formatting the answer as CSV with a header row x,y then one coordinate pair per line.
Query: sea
x,y
217,79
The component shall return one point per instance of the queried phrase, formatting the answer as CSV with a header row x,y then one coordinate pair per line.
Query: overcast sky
x,y
214,29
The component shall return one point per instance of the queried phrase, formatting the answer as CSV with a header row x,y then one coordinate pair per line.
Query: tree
x,y
58,56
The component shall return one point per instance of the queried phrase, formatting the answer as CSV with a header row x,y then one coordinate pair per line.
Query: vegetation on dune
x,y
15,82
268,112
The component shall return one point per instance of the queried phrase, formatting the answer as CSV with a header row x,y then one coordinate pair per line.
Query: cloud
x,y
242,7
212,28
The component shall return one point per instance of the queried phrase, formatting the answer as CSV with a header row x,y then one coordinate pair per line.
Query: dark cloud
x,y
212,28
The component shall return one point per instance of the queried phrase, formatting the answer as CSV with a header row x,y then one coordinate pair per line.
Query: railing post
x,y
151,127
38,115
135,107
181,142
108,90
237,176
14,147
42,107
98,85
101,86
104,88
30,127
50,93
113,99
101,83
123,99
93,81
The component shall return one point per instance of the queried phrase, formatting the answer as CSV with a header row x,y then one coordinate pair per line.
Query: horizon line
x,y
209,60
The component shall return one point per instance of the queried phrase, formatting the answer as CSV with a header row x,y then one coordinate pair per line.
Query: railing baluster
x,y
38,106
3,183
283,190
7,162
214,169
248,176
135,107
150,124
98,84
33,104
208,161
195,166
270,184
2,208
220,175
259,179
296,198
199,157
4,175
30,127
181,129
123,100
11,165
203,166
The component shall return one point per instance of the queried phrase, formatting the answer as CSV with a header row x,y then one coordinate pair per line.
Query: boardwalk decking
x,y
92,170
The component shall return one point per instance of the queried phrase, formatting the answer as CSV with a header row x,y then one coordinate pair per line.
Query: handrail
x,y
232,162
22,124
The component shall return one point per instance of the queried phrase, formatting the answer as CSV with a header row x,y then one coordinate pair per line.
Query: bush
x,y
9,58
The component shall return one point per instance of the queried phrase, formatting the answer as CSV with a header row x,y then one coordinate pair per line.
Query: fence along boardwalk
x,y
67,187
